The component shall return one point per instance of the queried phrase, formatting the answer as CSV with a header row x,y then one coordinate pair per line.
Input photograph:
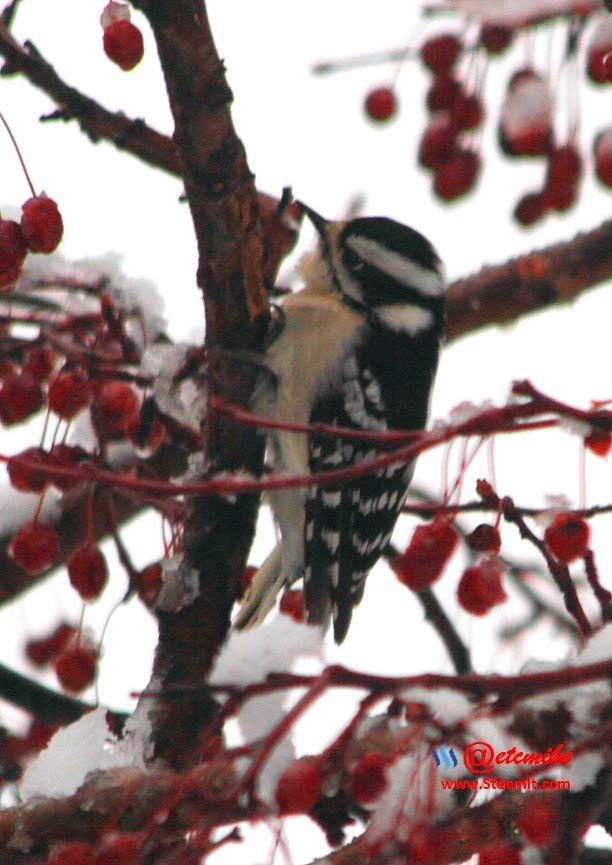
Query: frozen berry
x,y
438,141
20,397
87,571
292,604
500,854
71,853
43,650
69,392
480,588
457,176
602,152
568,537
599,54
381,104
123,44
13,250
443,93
299,787
427,554
35,548
368,778
495,38
530,209
41,224
440,52
76,668
24,477
599,442
525,127
117,407
538,821
484,539
147,583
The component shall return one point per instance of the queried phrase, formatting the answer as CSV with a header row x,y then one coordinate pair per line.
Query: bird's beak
x,y
318,221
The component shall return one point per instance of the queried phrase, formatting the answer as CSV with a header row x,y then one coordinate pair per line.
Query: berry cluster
x,y
449,145
122,40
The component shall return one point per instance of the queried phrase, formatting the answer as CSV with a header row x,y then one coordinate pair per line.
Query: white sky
x,y
310,133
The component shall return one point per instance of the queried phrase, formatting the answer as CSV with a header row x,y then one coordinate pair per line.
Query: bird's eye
x,y
352,260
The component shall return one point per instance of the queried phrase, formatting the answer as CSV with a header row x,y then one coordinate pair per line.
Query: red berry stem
x,y
18,151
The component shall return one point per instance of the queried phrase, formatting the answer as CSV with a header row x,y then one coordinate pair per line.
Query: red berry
x,y
568,537
484,539
76,668
147,583
443,93
599,442
24,478
563,176
423,844
500,854
123,44
292,604
494,38
13,250
119,849
299,787
117,407
41,651
525,121
368,778
38,736
599,56
440,52
538,821
438,141
87,572
381,104
20,397
69,392
71,853
66,457
480,588
530,209
533,140
35,548
467,112
456,177
427,554
41,224
602,153
38,362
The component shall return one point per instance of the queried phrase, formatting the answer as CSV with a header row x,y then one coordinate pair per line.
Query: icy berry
x,y
76,668
292,604
602,153
484,539
35,548
438,141
147,583
599,54
494,38
69,392
599,442
87,571
457,176
41,224
440,52
525,127
299,787
119,849
530,209
24,477
20,397
480,588
381,104
38,362
123,44
43,650
427,554
368,778
13,250
117,407
443,93
500,854
71,853
567,537
539,821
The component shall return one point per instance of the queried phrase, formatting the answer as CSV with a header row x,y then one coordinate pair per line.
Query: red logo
x,y
481,758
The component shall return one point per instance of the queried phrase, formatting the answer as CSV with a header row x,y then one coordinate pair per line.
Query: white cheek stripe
x,y
404,318
399,267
